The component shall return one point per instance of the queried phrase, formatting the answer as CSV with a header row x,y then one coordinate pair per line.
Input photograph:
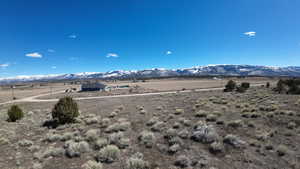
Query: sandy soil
x,y
264,122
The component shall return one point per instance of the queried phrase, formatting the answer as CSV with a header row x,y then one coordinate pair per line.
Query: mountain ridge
x,y
209,70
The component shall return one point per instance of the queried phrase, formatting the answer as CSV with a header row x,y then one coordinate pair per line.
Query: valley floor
x,y
258,129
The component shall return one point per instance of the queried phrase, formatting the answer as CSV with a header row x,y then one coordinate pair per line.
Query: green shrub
x,y
15,113
267,84
289,86
65,111
230,86
245,85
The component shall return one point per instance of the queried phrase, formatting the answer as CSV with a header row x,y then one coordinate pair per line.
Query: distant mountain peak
x,y
209,70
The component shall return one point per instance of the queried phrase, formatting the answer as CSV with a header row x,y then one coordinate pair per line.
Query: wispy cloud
x,y
73,58
51,50
250,34
53,67
34,55
4,66
114,55
169,52
72,36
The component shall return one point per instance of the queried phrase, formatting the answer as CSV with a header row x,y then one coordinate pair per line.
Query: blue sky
x,y
64,36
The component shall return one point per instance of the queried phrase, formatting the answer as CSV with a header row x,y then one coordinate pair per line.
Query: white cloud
x,y
4,66
72,36
34,55
250,34
114,55
53,67
51,50
168,52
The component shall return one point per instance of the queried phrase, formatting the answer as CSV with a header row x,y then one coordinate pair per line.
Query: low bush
x,y
288,86
108,154
65,111
15,113
137,162
147,138
268,85
245,85
230,86
92,165
282,150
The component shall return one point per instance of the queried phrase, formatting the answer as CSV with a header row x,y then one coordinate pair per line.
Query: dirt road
x,y
34,98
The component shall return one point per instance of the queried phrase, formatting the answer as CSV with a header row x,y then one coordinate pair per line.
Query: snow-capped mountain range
x,y
210,70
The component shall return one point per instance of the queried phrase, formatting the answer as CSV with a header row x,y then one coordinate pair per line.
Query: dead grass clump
x,y
112,128
175,140
105,122
170,133
174,148
3,141
216,147
205,134
119,126
92,135
137,162
53,152
234,141
152,121
37,165
112,114
75,149
67,136
158,126
269,108
108,154
179,111
235,123
159,108
124,125
211,117
143,111
147,138
201,113
291,125
92,165
91,120
100,143
184,134
53,137
25,143
118,140
282,150
176,125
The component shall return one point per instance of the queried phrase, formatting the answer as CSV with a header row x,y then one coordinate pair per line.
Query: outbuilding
x,y
93,86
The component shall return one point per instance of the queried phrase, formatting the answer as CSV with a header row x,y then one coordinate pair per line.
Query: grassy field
x,y
258,129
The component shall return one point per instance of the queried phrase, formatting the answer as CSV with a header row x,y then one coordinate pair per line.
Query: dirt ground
x,y
7,94
258,129
159,86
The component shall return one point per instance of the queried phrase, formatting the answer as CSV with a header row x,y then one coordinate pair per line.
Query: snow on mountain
x,y
210,70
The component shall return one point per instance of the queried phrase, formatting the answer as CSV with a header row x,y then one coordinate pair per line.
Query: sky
x,y
63,36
